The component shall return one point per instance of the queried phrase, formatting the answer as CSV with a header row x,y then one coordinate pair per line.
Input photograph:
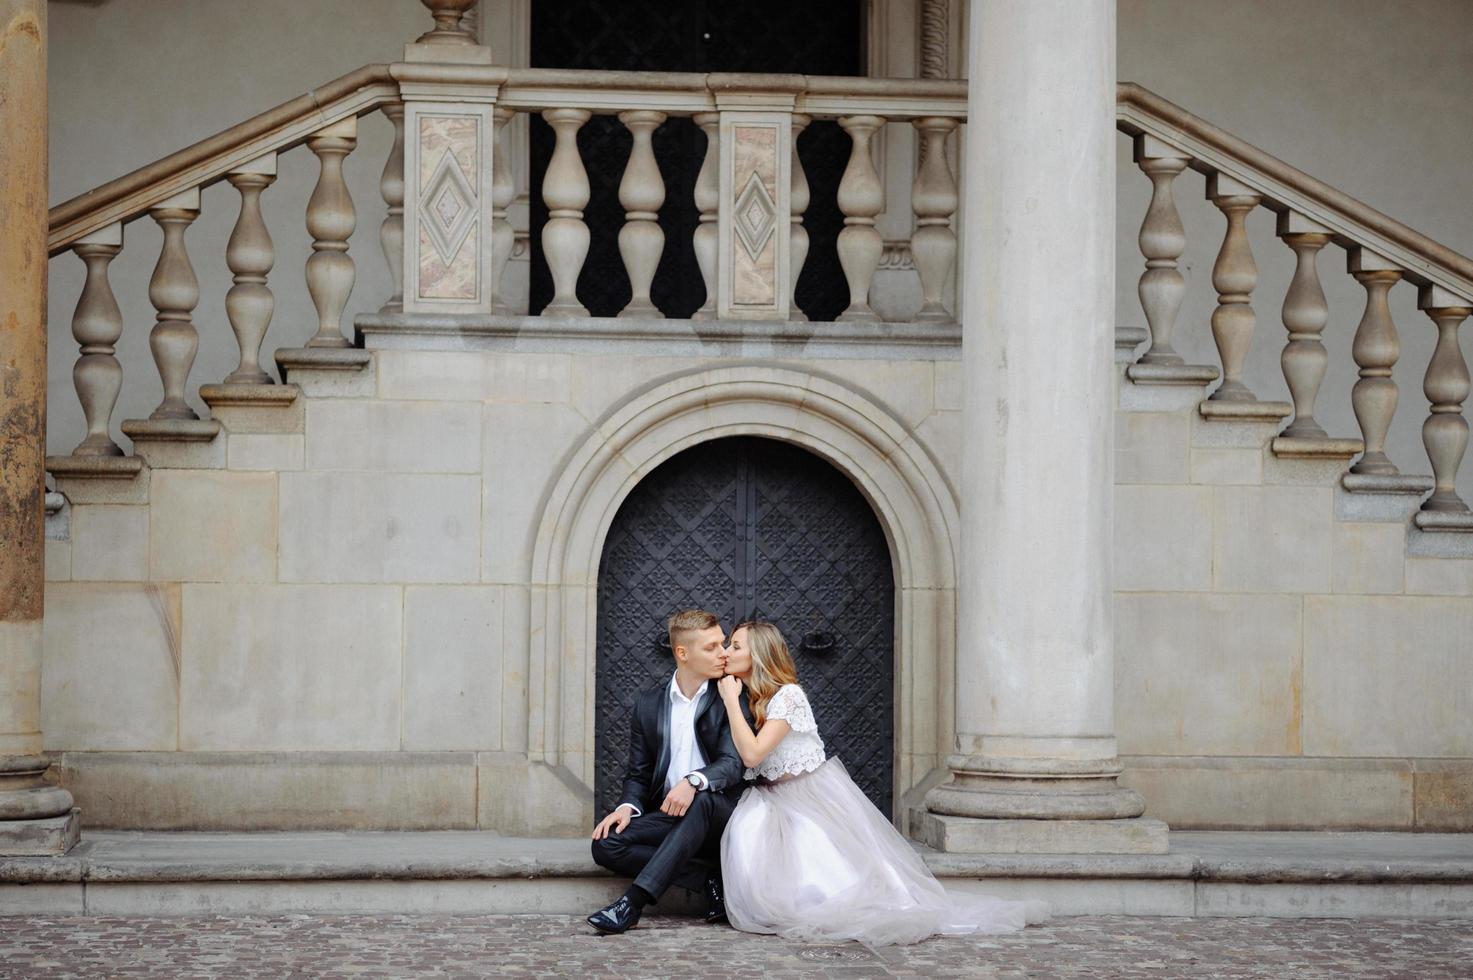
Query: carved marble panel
x,y
447,208
756,162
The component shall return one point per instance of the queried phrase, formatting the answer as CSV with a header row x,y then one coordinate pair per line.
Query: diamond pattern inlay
x,y
756,216
451,213
448,207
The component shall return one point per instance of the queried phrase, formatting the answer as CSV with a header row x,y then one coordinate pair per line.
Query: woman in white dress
x,y
806,855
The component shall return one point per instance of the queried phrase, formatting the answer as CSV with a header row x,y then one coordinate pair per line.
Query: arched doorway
x,y
749,527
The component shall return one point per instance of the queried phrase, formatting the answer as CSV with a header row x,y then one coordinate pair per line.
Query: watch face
x,y
693,781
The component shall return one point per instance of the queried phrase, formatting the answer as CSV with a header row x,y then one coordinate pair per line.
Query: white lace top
x,y
801,750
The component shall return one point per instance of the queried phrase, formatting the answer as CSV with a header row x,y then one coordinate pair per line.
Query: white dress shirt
x,y
685,750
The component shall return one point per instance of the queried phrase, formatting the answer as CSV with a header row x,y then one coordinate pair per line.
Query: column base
x,y
36,818
981,835
1037,805
46,837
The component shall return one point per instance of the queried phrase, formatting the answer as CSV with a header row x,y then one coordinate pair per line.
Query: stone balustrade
x,y
446,235
751,182
1380,253
445,232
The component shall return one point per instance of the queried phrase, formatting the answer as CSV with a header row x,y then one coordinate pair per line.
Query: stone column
x,y
1034,767
34,818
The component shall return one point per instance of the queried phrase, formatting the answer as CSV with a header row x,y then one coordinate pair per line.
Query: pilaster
x,y
35,818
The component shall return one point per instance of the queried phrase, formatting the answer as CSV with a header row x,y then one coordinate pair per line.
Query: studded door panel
x,y
752,528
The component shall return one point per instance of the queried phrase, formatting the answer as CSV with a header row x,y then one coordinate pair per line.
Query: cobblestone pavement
x,y
323,946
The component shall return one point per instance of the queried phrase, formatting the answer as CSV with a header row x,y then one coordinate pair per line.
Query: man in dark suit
x,y
683,782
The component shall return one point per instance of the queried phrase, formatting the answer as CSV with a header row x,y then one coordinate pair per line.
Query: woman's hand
x,y
730,688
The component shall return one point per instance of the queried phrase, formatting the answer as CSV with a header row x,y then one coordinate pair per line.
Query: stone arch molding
x,y
844,426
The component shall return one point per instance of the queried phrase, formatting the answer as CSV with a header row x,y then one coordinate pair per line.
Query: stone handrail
x,y
1285,188
209,160
1380,253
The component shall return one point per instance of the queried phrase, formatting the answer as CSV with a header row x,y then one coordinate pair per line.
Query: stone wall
x,y
1287,654
332,624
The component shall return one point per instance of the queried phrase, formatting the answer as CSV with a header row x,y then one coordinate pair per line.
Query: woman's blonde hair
x,y
772,665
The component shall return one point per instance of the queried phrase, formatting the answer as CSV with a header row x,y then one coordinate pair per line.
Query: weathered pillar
x,y
1035,764
34,818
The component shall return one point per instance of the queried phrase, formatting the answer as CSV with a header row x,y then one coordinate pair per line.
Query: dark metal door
x,y
752,528
814,37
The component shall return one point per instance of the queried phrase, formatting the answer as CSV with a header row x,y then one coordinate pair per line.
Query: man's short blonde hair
x,y
689,621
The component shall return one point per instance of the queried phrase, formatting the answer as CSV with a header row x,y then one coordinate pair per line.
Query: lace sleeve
x,y
791,705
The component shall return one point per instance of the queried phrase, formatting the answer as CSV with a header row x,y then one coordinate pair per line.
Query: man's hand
x,y
613,823
679,799
730,688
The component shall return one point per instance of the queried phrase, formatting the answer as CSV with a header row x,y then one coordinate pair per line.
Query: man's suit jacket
x,y
649,748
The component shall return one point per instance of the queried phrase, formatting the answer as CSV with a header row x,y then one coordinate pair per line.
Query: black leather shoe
x,y
715,901
616,918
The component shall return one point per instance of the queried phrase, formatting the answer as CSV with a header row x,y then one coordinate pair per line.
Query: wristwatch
x,y
695,781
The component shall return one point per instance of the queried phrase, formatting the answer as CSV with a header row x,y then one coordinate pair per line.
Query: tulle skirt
x,y
810,858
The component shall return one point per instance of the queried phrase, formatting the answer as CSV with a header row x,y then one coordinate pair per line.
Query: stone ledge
x,y
177,443
666,337
329,372
969,835
171,430
248,394
1244,411
94,467
323,358
100,479
1196,375
1396,483
1246,857
1292,447
256,408
1450,521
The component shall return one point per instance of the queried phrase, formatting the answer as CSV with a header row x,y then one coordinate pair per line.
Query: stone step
x,y
1291,875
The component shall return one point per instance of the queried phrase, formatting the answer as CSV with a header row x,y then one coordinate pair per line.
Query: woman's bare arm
x,y
753,747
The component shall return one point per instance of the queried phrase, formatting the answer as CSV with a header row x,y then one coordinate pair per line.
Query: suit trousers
x,y
658,850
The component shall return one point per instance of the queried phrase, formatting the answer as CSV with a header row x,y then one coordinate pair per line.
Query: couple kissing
x,y
729,793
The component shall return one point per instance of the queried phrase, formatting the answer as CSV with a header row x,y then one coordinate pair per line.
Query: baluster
x,y
1375,350
249,255
96,325
391,186
1305,315
1445,433
451,22
565,191
503,191
641,192
174,291
934,200
706,240
1234,276
798,204
861,199
1162,240
330,221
